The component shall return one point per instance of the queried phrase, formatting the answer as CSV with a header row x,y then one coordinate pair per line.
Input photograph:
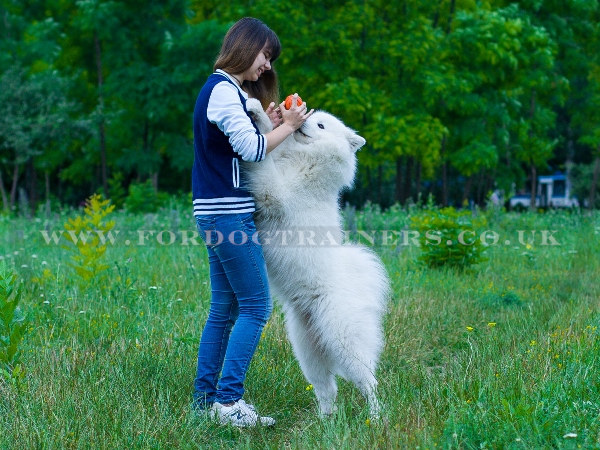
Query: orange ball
x,y
288,101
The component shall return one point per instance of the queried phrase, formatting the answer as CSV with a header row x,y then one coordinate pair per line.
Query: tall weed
x,y
88,233
12,327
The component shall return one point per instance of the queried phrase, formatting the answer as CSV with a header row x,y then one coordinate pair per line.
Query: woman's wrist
x,y
288,127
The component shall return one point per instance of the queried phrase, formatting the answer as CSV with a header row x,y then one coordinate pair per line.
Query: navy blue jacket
x,y
224,134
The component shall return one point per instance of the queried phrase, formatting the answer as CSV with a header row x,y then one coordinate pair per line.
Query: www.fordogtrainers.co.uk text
x,y
316,237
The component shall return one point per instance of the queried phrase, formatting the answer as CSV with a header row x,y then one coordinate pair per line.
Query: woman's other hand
x,y
274,114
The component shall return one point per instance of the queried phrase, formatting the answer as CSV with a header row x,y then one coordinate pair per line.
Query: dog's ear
x,y
355,141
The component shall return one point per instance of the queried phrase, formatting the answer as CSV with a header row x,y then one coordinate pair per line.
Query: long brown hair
x,y
241,45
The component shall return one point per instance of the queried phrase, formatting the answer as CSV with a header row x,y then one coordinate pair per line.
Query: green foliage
x,y
449,237
12,327
89,235
116,191
143,198
475,93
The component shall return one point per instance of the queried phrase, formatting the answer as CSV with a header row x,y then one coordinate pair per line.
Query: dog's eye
x,y
321,126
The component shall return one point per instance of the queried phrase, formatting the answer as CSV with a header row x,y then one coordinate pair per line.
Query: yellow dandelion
x,y
491,324
309,387
368,422
528,246
470,328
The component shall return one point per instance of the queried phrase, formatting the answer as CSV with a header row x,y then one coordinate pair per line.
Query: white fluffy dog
x,y
333,293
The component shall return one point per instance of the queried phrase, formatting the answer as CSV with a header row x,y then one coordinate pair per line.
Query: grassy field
x,y
503,355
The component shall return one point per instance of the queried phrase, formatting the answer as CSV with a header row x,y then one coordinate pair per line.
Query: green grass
x,y
504,354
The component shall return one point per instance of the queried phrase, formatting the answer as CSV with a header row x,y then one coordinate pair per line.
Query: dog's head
x,y
319,126
324,126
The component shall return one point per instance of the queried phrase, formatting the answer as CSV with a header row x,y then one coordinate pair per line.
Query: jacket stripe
x,y
224,206
223,200
235,172
200,212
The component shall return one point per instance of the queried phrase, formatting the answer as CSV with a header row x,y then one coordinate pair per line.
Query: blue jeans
x,y
239,309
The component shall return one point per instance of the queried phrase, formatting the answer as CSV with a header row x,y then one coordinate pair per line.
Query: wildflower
x,y
34,256
153,287
528,246
309,387
24,266
470,328
44,263
532,343
368,422
491,324
570,435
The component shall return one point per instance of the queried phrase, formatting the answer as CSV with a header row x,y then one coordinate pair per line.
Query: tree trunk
x,y
418,180
481,188
101,131
451,15
532,205
570,148
445,193
13,188
533,187
467,190
47,179
595,178
379,184
3,193
407,179
436,16
31,178
154,178
398,193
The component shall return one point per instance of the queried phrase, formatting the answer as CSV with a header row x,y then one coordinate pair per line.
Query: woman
x,y
223,134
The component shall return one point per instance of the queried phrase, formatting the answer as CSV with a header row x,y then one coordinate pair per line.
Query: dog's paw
x,y
262,121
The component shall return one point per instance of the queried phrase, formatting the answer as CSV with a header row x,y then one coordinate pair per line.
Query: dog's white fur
x,y
333,294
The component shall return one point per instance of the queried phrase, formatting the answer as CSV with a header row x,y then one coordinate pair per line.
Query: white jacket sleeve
x,y
226,111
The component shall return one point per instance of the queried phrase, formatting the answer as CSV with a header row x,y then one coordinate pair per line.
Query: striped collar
x,y
233,80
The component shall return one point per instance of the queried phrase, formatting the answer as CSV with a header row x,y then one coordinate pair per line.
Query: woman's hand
x,y
274,114
290,120
296,115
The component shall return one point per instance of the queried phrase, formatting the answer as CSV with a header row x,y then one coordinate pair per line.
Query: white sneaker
x,y
240,414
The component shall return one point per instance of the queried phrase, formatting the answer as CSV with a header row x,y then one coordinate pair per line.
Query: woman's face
x,y
261,64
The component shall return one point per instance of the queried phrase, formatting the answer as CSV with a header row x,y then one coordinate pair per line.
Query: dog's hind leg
x,y
316,366
361,371
320,375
